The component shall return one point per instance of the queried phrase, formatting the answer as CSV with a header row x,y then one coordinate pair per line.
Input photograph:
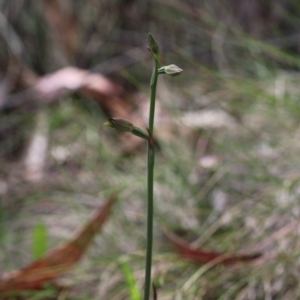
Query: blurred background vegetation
x,y
228,139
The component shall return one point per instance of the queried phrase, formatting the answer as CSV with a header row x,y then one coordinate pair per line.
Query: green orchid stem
x,y
150,180
153,85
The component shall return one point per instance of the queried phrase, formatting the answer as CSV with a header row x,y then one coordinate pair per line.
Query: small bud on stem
x,y
171,70
125,126
153,47
119,124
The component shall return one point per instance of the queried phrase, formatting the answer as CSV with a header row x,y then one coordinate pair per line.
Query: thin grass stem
x,y
150,180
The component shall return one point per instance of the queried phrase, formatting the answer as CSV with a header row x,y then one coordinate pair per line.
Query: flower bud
x,y
125,126
153,46
171,70
119,124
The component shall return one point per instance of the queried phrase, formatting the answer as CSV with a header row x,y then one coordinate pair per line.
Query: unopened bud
x,y
153,46
119,124
171,70
125,126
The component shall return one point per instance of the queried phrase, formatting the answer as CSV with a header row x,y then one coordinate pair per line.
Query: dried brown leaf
x,y
201,256
59,260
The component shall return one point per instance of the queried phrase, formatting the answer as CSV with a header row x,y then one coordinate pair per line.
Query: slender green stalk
x,y
126,126
153,84
150,180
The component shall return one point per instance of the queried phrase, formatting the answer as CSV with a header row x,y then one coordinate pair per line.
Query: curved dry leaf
x,y
59,260
201,256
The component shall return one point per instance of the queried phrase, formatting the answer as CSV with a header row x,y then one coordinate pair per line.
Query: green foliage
x,y
39,241
130,281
